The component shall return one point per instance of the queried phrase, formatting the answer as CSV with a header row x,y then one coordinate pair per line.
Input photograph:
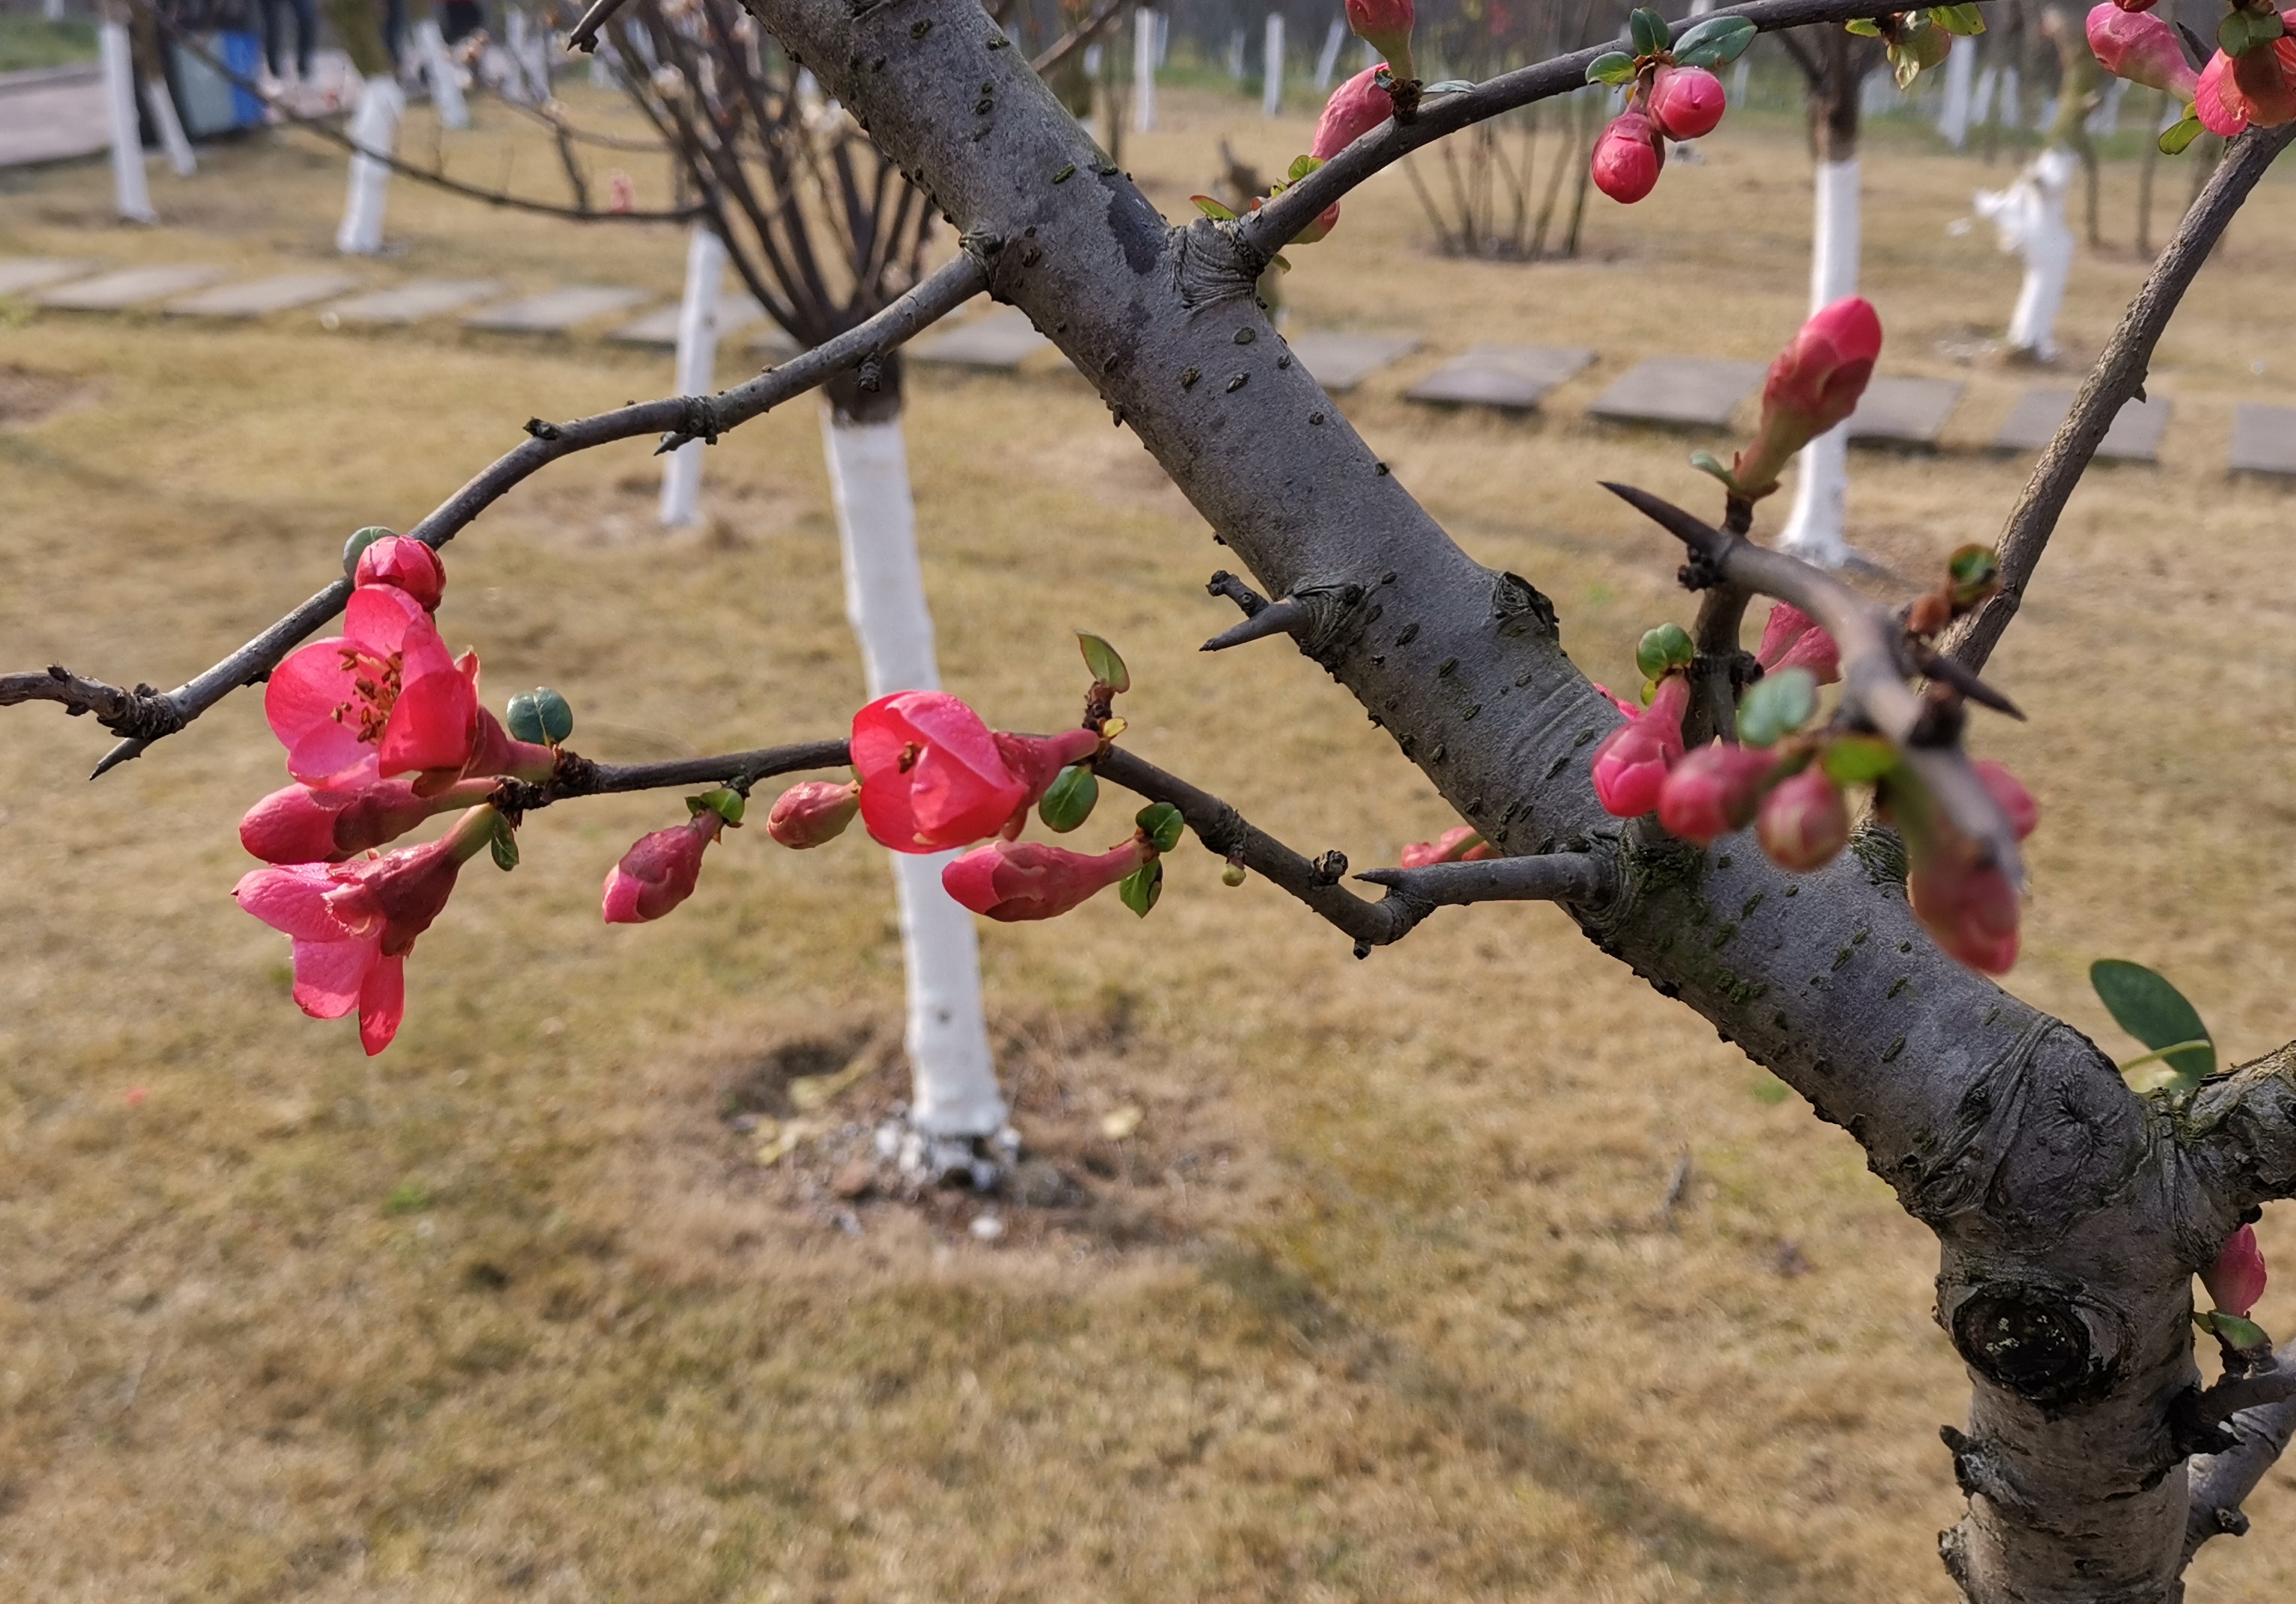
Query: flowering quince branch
x,y
145,718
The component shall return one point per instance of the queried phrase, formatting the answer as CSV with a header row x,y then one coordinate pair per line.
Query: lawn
x,y
1377,1302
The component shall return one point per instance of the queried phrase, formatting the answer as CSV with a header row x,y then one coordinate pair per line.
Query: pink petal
x,y
299,701
382,1004
2217,102
379,617
292,898
328,975
432,724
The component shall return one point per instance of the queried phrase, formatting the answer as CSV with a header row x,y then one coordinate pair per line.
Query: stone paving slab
x,y
413,301
54,114
19,274
1904,412
2263,438
257,296
1679,390
1340,362
1002,339
660,326
1516,377
2134,435
129,287
556,311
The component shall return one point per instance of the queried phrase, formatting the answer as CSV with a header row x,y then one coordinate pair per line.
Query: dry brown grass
x,y
1373,1306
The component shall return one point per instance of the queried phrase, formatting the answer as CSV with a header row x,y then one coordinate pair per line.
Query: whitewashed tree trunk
x,y
1271,82
955,1090
131,193
1144,40
1814,529
438,69
2030,218
1981,111
1960,71
172,139
1327,64
374,129
697,369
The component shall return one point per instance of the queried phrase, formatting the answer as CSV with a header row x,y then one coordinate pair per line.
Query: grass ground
x,y
1375,1304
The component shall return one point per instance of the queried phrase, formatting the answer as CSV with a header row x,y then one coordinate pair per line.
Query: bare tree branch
x,y
1081,35
677,419
2118,376
2222,1482
584,37
577,775
1544,877
142,712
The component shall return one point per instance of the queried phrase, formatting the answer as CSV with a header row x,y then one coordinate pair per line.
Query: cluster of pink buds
x,y
1671,93
2251,78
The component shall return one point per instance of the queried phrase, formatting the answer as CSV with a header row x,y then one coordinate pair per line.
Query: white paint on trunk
x,y
1981,107
1960,69
2011,109
1327,64
374,129
1144,35
439,68
2030,218
697,369
180,159
947,1038
131,193
1271,80
1814,529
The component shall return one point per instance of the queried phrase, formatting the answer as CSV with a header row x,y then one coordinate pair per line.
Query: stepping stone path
x,y
1003,339
1340,362
1679,390
2134,435
258,296
1516,377
2263,438
1904,412
660,327
19,274
556,311
411,302
129,287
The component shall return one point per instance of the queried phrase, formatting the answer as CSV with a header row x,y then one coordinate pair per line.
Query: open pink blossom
x,y
353,923
2129,43
1686,102
1385,25
1628,157
1461,844
812,812
1630,765
933,775
1803,822
1814,384
2236,1279
659,870
2259,87
1714,789
303,823
1790,639
1016,880
406,564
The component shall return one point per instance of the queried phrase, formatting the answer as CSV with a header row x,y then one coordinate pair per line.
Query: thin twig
x,y
2222,1482
579,777
584,37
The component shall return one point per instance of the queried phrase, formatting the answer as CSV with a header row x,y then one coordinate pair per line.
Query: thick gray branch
x,y
1581,877
2222,1482
2239,1129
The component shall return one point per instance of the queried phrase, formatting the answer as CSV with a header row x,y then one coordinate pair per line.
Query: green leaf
x,y
1611,66
2245,1335
2149,1008
1667,646
1858,760
1141,887
1301,166
359,541
2242,31
2174,142
1204,204
539,717
1068,801
1706,462
1967,21
1776,706
1648,31
1162,823
503,846
727,803
1864,27
1107,667
1714,40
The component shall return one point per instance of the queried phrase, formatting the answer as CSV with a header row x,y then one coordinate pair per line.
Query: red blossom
x,y
405,563
1686,102
1713,791
933,775
812,812
1628,157
1803,822
1812,385
2257,86
2236,1279
659,870
1385,25
1016,880
1630,765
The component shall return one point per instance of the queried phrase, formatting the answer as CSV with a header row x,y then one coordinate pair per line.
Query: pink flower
x,y
353,923
1969,909
1791,640
934,776
1627,158
1803,822
406,564
2258,87
1630,765
659,870
1713,791
2129,43
2023,813
1355,107
300,824
2236,1279
1385,25
1458,844
1686,102
1812,385
1016,880
812,812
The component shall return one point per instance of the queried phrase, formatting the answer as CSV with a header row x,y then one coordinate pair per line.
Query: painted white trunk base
x,y
947,1038
697,369
438,69
2030,218
1814,529
131,193
375,128
180,159
1960,72
1144,40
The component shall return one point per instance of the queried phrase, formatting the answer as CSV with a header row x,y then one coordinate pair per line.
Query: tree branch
x,y
577,775
1583,877
2118,376
1081,35
1266,230
679,419
2222,1482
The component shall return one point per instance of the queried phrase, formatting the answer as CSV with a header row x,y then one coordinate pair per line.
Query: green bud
x,y
1068,801
1141,887
1667,646
1107,667
540,717
1233,874
359,541
1776,706
1973,573
1162,823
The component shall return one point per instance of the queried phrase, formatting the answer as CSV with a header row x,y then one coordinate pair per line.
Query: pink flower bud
x,y
1803,822
1713,791
809,813
1969,909
1012,881
1385,25
1627,158
1355,107
301,825
406,564
2129,43
2236,1279
1630,765
1791,640
1686,102
2023,813
1812,385
1461,844
659,870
